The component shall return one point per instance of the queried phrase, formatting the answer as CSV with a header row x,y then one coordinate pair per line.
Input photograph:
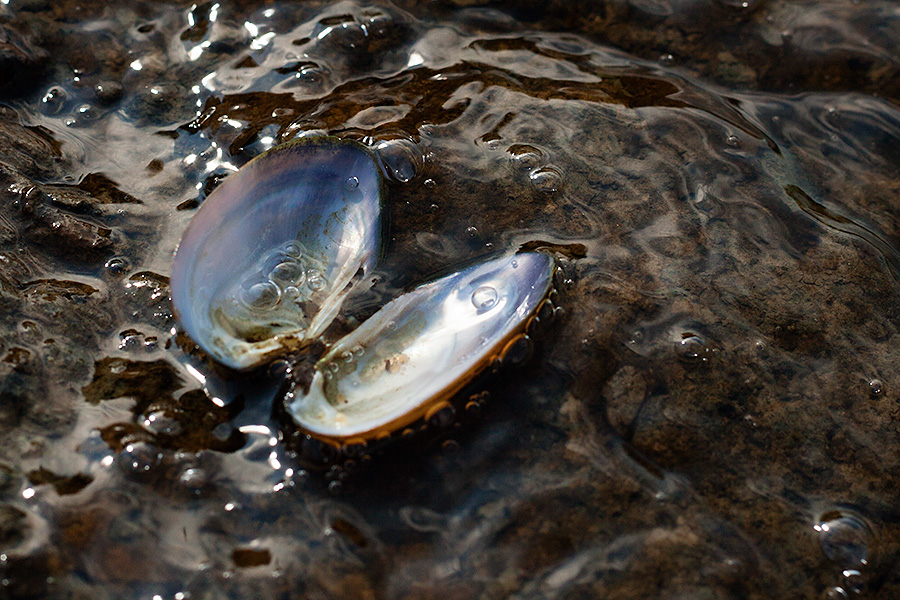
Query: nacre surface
x,y
422,348
270,255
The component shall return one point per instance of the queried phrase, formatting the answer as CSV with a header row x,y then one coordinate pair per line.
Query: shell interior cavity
x,y
421,348
269,257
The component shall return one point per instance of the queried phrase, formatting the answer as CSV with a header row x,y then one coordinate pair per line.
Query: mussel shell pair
x,y
267,261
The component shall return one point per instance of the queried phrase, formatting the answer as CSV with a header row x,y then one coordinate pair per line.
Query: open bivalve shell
x,y
407,360
266,262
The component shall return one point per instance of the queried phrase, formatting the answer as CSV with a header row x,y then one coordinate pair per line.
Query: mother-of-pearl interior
x,y
421,348
267,260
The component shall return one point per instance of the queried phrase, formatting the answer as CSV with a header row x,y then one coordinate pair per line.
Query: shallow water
x,y
715,416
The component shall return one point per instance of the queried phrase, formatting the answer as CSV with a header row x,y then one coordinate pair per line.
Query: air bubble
x,y
853,582
472,231
286,274
484,298
352,183
261,296
140,458
293,250
517,351
441,416
193,479
692,349
310,73
525,157
159,423
876,389
279,369
733,141
315,280
547,180
835,593
400,159
54,100
117,266
845,537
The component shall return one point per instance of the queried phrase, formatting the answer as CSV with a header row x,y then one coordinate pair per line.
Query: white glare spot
x,y
268,12
273,441
214,13
157,597
324,32
263,41
278,487
415,59
207,81
196,374
229,507
289,473
136,65
107,461
273,461
234,123
28,493
260,429
190,159
253,29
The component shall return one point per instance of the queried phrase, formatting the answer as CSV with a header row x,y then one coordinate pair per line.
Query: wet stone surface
x,y
713,414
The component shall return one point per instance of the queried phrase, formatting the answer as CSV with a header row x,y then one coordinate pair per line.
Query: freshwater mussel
x,y
264,267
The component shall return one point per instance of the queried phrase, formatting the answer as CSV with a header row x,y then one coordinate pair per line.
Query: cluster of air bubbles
x,y
543,177
400,159
354,33
287,273
80,109
343,361
132,340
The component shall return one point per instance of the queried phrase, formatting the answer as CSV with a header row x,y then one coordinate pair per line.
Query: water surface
x,y
715,415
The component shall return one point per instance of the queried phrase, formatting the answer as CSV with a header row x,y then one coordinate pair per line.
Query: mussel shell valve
x,y
267,260
421,349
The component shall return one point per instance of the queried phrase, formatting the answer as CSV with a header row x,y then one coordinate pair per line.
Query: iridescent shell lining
x,y
266,262
422,348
